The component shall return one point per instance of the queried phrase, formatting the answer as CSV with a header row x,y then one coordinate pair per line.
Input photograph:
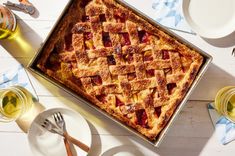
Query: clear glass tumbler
x,y
225,102
15,101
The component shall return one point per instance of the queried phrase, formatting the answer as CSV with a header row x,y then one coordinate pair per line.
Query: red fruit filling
x,y
84,3
165,55
68,42
102,18
85,18
120,17
119,102
170,87
158,111
150,73
101,98
126,39
143,36
111,60
106,39
142,118
96,80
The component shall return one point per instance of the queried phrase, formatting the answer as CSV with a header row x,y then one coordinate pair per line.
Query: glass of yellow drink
x,y
225,102
15,101
8,23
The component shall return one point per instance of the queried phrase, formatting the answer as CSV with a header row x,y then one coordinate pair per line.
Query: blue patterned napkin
x,y
224,129
169,13
16,75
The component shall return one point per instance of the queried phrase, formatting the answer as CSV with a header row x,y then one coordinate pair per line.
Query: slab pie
x,y
121,63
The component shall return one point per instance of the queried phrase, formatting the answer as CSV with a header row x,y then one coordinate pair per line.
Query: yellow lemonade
x,y
225,102
11,105
4,33
15,101
231,107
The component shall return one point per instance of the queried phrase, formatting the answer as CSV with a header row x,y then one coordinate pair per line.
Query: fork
x,y
47,124
59,120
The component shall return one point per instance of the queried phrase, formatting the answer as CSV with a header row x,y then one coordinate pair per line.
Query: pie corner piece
x,y
121,63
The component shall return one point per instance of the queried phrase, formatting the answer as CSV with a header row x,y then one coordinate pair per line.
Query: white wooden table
x,y
192,133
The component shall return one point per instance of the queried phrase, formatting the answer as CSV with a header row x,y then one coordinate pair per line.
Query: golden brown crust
x,y
121,63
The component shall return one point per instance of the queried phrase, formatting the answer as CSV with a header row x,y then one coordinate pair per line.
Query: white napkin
x,y
16,75
224,129
169,13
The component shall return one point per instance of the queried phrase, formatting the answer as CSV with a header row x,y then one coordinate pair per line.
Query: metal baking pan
x,y
207,60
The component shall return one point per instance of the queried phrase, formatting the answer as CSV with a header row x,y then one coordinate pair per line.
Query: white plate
x,y
210,18
45,143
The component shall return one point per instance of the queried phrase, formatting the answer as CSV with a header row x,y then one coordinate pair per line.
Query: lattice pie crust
x,y
121,63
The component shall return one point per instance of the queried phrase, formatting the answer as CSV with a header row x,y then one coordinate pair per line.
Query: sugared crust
x,y
124,94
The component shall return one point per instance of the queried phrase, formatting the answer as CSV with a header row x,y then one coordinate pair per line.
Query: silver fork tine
x,y
62,120
48,125
59,120
61,116
55,118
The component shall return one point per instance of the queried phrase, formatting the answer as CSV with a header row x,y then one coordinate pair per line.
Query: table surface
x,y
191,134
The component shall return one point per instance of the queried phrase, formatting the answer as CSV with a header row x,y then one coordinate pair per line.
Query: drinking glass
x,y
15,101
225,102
